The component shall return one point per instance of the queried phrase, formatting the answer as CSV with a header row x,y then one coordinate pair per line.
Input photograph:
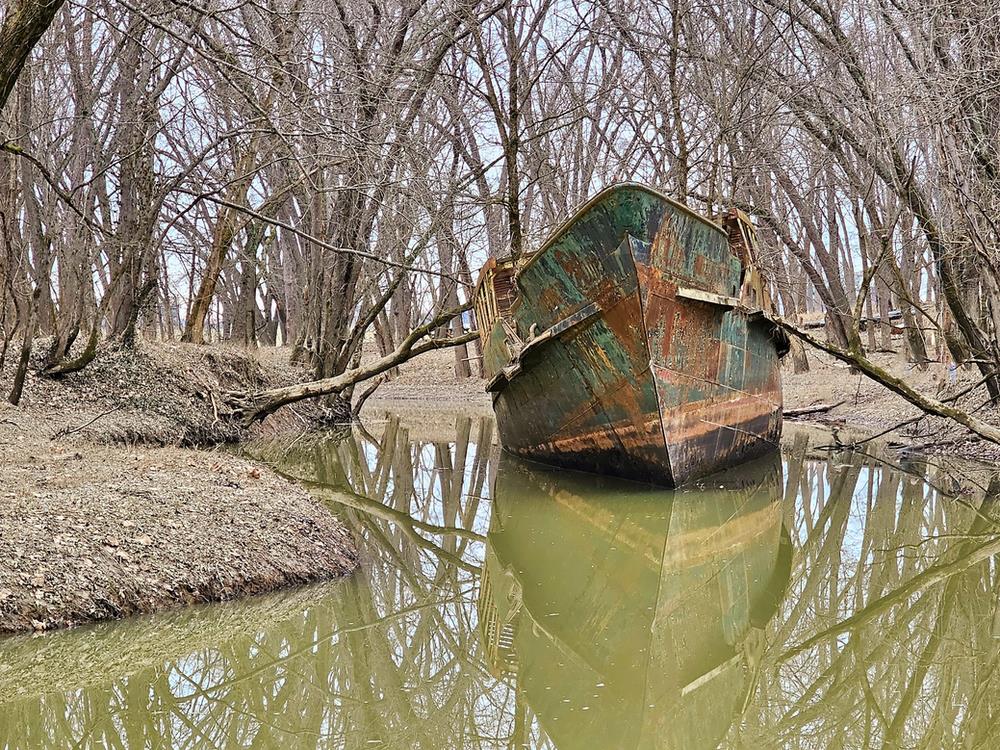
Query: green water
x,y
815,600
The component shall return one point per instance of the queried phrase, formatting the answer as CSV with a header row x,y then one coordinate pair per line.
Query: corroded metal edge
x,y
594,200
565,325
689,403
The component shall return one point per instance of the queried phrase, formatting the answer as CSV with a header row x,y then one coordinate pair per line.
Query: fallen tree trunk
x,y
250,408
802,411
896,385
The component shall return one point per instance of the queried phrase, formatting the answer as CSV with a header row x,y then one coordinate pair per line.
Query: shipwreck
x,y
637,341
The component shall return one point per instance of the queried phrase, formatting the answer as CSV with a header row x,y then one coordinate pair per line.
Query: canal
x,y
815,599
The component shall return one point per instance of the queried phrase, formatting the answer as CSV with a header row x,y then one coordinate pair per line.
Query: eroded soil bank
x,y
103,514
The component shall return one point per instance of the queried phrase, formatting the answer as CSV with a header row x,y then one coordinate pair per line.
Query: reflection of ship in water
x,y
630,617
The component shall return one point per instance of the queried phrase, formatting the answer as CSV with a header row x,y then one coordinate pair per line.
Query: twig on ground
x,y
66,431
215,408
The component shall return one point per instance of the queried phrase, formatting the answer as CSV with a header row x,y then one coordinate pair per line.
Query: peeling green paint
x,y
656,387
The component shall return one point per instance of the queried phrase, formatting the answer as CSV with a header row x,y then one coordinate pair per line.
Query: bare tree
x,y
329,181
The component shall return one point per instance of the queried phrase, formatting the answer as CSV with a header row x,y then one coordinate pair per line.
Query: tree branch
x,y
250,408
894,384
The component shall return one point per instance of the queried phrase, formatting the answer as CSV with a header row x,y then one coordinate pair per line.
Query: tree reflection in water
x,y
841,603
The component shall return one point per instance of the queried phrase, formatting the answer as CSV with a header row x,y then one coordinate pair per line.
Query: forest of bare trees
x,y
317,175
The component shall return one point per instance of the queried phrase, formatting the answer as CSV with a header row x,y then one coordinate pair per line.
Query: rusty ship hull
x,y
636,342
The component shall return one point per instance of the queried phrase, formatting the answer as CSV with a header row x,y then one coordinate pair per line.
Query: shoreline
x,y
863,407
105,513
88,544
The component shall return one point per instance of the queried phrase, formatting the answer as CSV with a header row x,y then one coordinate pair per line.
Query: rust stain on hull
x,y
636,343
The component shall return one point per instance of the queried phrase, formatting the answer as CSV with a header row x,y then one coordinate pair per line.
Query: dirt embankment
x,y
104,513
107,510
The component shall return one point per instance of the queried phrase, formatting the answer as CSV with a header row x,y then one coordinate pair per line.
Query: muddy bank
x,y
866,408
104,513
156,394
106,509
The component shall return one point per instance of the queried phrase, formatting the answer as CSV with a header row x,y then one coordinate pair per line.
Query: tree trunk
x,y
21,373
23,26
226,228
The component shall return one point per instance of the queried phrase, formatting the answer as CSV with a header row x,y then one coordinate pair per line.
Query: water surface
x,y
815,599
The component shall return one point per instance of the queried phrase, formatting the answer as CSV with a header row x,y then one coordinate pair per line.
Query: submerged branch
x,y
916,585
377,509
